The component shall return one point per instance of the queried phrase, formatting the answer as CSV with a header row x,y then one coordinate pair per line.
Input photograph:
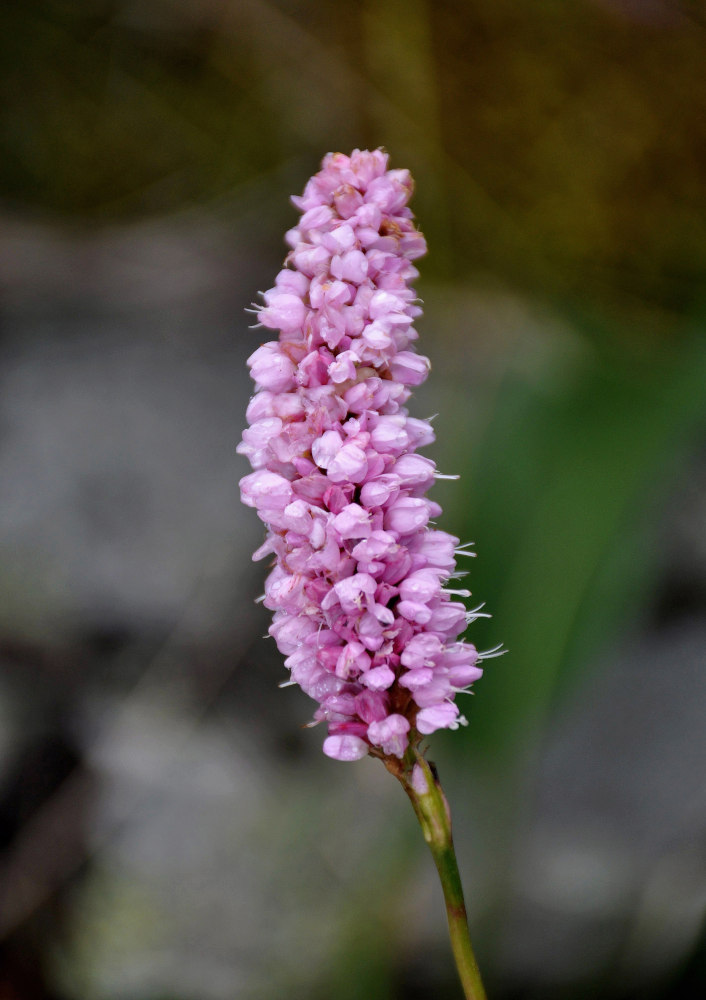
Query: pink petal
x,y
345,748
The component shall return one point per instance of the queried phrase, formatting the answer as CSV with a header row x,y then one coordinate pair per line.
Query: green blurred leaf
x,y
566,485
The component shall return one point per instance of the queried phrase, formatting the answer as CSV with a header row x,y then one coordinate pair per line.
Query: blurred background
x,y
168,831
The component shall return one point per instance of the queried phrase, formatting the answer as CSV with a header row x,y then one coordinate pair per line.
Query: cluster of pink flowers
x,y
359,585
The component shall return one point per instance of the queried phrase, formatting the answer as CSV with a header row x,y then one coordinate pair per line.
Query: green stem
x,y
429,803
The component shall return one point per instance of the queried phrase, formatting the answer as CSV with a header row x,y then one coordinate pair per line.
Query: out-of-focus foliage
x,y
560,146
147,148
566,484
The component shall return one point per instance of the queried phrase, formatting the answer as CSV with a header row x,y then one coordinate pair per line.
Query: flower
x,y
362,610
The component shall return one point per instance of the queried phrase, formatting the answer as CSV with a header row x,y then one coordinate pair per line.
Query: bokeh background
x,y
168,831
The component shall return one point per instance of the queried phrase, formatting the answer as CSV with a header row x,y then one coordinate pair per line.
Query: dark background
x,y
168,831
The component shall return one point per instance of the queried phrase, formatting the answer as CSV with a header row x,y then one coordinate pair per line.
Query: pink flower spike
x,y
363,608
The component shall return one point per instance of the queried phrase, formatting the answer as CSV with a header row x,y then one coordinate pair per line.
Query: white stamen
x,y
441,475
489,654
475,613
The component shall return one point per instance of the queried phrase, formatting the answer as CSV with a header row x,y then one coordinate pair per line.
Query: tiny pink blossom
x,y
271,368
390,734
283,311
359,586
345,747
379,678
441,716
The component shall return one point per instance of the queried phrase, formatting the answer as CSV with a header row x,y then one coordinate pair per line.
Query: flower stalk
x,y
421,784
